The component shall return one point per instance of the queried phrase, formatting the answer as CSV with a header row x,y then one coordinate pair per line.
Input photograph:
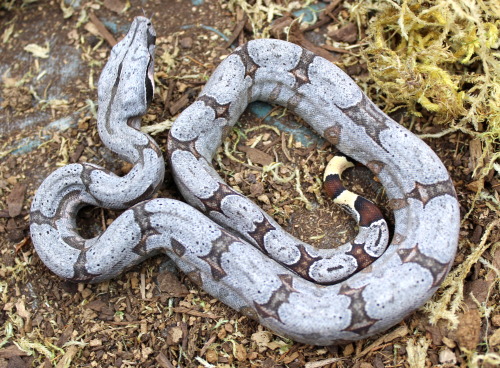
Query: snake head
x,y
126,85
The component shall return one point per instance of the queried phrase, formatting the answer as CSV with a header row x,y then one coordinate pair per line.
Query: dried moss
x,y
439,56
441,59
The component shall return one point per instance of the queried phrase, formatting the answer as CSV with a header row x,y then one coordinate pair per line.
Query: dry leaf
x,y
447,356
67,357
21,310
476,185
257,156
240,352
7,33
495,338
37,50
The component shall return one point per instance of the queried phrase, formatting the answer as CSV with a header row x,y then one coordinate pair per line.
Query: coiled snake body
x,y
313,296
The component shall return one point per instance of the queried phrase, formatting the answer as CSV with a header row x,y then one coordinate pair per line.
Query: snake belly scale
x,y
221,239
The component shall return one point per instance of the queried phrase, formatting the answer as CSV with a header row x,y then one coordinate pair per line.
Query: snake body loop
x,y
313,296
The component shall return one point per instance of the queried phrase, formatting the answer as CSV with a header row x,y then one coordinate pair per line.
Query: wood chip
x,y
193,312
179,104
163,361
296,36
477,291
496,320
240,353
11,351
347,33
469,328
476,185
476,152
257,156
67,357
495,338
174,335
168,96
207,344
16,362
96,305
116,6
322,363
14,231
330,8
15,199
77,153
447,357
436,334
280,26
170,285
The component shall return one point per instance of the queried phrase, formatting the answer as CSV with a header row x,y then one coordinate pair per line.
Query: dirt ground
x,y
51,55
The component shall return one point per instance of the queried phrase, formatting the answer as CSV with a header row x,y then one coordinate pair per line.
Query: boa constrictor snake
x,y
241,256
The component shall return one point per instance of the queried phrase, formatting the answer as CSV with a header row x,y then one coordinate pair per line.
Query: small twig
x,y
209,342
236,32
284,148
164,361
337,49
168,97
179,104
103,31
195,61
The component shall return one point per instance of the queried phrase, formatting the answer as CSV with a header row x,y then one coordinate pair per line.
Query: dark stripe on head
x,y
149,85
368,212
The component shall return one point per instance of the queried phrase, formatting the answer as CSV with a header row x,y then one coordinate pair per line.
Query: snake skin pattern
x,y
240,255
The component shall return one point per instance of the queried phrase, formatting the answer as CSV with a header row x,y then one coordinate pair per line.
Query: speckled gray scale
x,y
238,269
